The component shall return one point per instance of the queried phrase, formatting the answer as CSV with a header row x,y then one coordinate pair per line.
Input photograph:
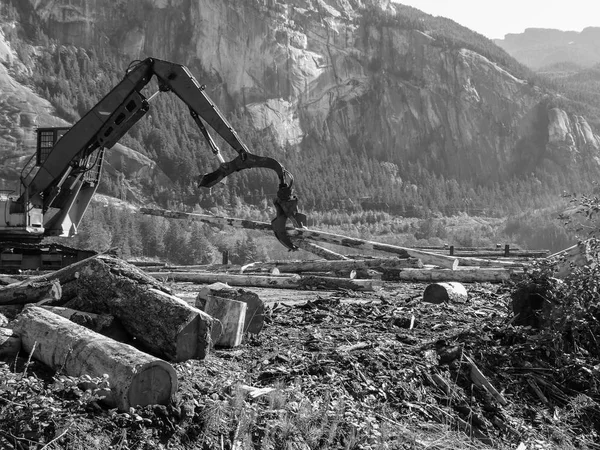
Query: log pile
x,y
102,317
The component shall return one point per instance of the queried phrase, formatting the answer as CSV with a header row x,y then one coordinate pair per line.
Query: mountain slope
x,y
366,98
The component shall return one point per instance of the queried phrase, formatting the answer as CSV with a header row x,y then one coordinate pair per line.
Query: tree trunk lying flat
x,y
282,282
470,275
30,291
160,322
445,292
10,343
135,378
319,236
318,250
380,264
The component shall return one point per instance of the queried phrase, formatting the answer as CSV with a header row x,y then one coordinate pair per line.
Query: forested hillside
x,y
348,180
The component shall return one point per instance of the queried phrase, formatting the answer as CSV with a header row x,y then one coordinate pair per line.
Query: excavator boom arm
x,y
59,182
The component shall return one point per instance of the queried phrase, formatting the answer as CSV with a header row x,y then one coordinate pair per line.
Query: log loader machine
x,y
59,181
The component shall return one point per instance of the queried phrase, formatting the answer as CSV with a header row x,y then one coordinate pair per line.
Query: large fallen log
x,y
10,343
135,378
281,282
30,291
380,264
466,275
161,323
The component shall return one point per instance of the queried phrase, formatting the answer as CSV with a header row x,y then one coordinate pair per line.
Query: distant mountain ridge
x,y
541,47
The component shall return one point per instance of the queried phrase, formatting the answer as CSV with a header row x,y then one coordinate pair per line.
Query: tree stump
x,y
255,310
136,378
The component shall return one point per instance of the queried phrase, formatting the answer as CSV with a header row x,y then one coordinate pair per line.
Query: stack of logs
x,y
103,316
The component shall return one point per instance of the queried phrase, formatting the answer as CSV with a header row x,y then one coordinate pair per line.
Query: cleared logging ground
x,y
341,369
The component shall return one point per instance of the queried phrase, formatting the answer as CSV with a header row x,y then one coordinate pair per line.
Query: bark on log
x,y
105,324
467,275
10,343
445,292
30,291
380,264
281,282
136,378
161,323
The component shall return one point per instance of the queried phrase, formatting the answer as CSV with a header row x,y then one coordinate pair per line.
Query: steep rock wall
x,y
314,72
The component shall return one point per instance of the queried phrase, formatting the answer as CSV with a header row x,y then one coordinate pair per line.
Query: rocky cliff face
x,y
315,72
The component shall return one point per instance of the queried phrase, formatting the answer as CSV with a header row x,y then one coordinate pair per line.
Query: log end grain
x,y
445,292
154,384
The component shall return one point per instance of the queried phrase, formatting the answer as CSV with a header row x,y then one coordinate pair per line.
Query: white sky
x,y
494,19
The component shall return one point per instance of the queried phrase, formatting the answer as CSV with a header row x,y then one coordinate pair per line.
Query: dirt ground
x,y
338,369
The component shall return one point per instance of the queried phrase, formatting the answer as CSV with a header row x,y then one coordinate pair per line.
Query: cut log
x,y
318,250
10,343
380,264
255,309
445,292
136,378
281,282
161,323
30,291
467,275
231,316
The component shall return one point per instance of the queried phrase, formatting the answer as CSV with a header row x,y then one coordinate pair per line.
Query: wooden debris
x,y
136,378
481,381
281,282
30,291
10,343
445,292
